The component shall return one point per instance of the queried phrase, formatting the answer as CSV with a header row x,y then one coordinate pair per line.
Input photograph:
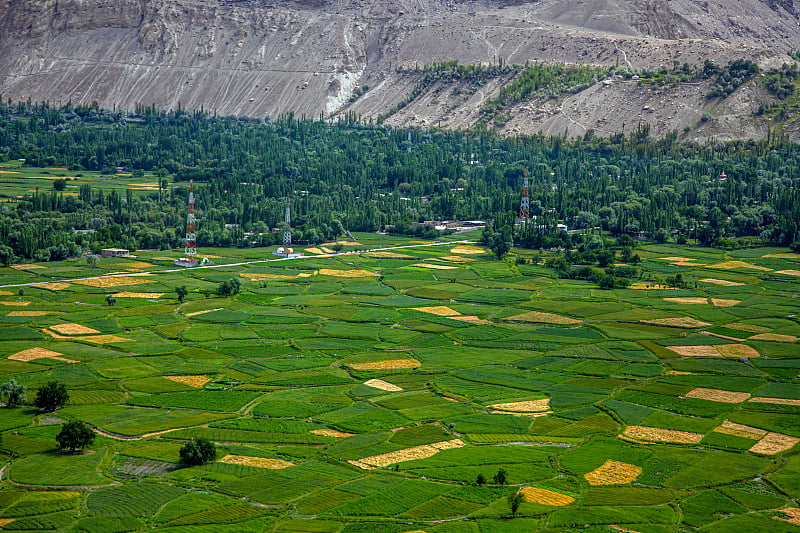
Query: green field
x,y
356,378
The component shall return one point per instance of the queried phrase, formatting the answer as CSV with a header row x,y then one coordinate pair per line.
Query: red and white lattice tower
x,y
525,203
287,231
190,252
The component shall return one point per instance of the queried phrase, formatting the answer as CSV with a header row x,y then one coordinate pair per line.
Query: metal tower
x,y
525,203
191,237
287,232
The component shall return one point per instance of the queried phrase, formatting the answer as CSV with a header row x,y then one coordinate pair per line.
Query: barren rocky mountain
x,y
312,57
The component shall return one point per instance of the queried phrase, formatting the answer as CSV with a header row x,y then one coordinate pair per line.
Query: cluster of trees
x,y
364,178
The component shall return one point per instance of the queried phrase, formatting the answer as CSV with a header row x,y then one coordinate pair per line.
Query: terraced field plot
x,y
364,393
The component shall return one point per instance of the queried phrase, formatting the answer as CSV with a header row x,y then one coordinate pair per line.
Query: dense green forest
x,y
364,177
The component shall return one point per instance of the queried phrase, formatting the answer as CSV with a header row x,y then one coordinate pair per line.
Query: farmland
x,y
368,392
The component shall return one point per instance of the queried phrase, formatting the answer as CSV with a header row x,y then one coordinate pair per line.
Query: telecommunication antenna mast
x,y
525,203
191,237
287,232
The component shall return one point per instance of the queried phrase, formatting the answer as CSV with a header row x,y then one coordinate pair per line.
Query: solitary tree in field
x,y
198,452
514,501
500,477
53,395
181,292
480,480
110,300
74,435
14,393
92,260
230,287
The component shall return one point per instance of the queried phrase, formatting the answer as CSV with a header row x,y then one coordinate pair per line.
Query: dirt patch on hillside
x,y
382,385
257,462
193,381
33,354
545,318
774,443
545,497
389,364
613,473
717,395
73,329
662,435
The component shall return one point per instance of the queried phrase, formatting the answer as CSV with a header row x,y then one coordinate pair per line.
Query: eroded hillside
x,y
260,57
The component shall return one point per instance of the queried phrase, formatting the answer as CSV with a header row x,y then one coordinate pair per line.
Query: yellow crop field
x,y
687,300
104,339
792,514
16,304
30,313
33,354
776,401
471,319
347,273
434,266
192,381
151,295
406,454
382,385
326,432
723,282
662,435
789,272
389,364
114,281
737,350
439,310
546,497
467,250
257,462
774,443
73,329
724,302
204,312
54,286
678,322
529,406
613,473
741,326
388,255
776,337
716,395
545,318
740,430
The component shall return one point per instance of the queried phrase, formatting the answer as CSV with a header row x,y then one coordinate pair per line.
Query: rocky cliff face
x,y
265,57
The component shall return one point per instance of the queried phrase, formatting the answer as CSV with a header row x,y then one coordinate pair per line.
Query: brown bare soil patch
x,y
687,300
662,435
33,354
530,406
546,497
16,304
789,272
407,454
439,310
723,282
777,337
678,322
792,514
204,312
740,430
54,286
346,273
389,364
613,473
382,385
737,350
727,265
139,295
73,329
388,255
546,318
104,339
694,351
776,401
118,281
467,250
723,302
29,313
741,326
257,462
435,267
326,432
471,319
192,381
774,443
717,395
